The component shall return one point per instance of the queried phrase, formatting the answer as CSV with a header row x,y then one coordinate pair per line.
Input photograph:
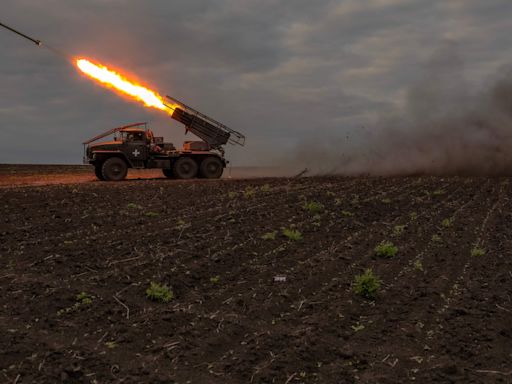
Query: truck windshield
x,y
132,136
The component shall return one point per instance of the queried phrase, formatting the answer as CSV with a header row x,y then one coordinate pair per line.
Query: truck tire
x,y
184,168
97,172
114,169
168,173
211,168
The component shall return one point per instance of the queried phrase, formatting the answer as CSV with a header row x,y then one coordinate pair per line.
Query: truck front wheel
x,y
114,169
184,168
211,168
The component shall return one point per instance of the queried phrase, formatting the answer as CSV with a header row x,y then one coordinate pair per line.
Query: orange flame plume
x,y
114,80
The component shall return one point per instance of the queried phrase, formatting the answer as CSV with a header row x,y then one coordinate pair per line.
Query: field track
x,y
442,314
34,175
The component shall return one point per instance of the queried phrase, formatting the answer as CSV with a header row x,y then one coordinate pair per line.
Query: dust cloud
x,y
443,128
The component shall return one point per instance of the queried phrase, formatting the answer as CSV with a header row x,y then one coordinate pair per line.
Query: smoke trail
x,y
443,128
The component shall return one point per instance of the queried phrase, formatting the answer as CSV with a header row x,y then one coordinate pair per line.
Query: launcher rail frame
x,y
235,137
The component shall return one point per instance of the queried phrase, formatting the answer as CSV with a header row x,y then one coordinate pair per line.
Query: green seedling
x,y
357,327
81,300
436,238
398,230
215,279
84,298
292,234
477,252
265,188
418,265
386,200
439,192
413,216
133,206
314,207
249,192
110,344
330,194
180,224
386,249
347,214
151,214
232,194
338,201
159,292
367,285
269,235
447,222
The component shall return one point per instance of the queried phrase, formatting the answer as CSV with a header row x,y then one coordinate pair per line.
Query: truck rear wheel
x,y
168,173
211,168
114,169
97,172
185,168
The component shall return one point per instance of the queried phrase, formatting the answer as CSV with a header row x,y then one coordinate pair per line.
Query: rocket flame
x,y
114,80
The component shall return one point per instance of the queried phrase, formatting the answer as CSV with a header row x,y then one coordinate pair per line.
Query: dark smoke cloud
x,y
445,126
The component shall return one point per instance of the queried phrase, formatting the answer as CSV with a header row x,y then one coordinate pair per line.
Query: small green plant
x,y
232,194
181,224
386,249
330,194
265,188
386,200
133,206
249,192
447,222
81,300
477,252
84,298
151,214
215,279
439,192
269,235
413,216
436,238
347,214
314,207
398,230
338,201
367,285
292,234
159,292
357,327
110,344
418,265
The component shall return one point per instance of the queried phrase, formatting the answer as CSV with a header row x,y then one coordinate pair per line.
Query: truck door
x,y
136,149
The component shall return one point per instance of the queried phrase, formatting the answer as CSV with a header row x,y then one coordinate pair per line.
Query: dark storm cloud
x,y
281,72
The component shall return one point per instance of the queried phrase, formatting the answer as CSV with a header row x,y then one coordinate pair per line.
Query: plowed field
x,y
251,305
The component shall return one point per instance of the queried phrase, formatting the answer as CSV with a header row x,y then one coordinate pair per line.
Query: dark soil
x,y
442,315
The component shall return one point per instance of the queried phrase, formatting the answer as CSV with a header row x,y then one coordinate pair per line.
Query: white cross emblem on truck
x,y
136,152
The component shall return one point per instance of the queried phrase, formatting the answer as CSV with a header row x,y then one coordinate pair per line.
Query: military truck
x,y
135,146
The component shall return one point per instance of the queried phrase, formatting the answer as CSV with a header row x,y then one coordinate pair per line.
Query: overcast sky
x,y
281,72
